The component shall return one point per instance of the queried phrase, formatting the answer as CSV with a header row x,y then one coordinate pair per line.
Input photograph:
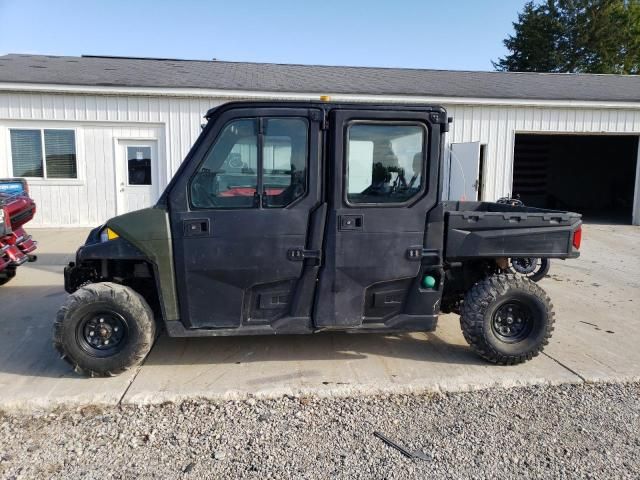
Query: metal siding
x,y
500,124
176,121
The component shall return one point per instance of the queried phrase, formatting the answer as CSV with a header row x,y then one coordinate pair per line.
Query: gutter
x,y
335,97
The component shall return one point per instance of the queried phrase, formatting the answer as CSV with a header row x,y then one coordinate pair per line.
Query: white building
x,y
75,125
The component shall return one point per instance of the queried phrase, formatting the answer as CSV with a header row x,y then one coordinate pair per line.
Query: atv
x,y
309,217
16,209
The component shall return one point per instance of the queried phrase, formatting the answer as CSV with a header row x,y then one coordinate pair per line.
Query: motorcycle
x,y
533,268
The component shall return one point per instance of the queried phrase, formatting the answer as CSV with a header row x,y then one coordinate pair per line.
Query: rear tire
x,y
507,319
103,329
542,271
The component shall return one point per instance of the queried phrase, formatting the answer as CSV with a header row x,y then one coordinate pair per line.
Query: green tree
x,y
589,36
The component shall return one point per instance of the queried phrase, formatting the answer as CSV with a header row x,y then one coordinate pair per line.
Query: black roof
x,y
271,77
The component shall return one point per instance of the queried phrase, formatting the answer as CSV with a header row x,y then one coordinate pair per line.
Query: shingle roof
x,y
269,77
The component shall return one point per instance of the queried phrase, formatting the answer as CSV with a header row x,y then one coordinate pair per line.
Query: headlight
x,y
107,234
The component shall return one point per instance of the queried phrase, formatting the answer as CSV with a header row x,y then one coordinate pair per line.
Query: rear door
x,y
242,219
384,177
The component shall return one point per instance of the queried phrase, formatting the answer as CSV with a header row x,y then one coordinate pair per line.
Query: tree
x,y
588,36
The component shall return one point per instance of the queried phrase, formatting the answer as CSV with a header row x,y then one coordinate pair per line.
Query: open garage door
x,y
591,174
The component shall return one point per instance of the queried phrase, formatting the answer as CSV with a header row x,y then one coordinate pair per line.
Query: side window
x,y
385,162
285,160
228,177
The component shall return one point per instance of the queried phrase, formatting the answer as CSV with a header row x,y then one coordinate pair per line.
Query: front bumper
x,y
75,276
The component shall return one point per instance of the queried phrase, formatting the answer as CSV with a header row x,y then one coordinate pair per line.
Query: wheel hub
x,y
524,265
103,331
512,321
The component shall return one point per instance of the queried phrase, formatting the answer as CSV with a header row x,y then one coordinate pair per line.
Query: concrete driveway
x,y
597,336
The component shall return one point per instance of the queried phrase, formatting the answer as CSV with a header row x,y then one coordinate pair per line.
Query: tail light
x,y
577,238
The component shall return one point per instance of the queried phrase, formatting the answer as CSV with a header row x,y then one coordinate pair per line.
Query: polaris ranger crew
x,y
305,217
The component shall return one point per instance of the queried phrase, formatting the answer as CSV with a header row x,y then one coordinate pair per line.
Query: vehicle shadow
x,y
326,346
28,313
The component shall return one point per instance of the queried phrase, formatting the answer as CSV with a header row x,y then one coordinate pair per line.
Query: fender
x,y
144,235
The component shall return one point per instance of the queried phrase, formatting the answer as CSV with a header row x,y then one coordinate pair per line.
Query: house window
x,y
48,153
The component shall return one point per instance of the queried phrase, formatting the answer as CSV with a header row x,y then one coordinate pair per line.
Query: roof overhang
x,y
338,97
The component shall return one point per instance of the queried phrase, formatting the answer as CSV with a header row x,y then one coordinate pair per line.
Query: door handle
x,y
196,227
351,222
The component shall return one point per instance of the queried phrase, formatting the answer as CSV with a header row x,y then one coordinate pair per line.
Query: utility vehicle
x,y
304,217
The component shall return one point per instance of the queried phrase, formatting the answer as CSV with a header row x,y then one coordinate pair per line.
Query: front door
x,y
136,171
247,221
385,180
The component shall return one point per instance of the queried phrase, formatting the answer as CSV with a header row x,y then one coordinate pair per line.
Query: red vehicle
x,y
16,209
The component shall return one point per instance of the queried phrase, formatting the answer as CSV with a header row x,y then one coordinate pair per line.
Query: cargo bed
x,y
493,230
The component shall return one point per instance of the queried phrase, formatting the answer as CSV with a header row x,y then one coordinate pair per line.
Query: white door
x,y
137,174
464,171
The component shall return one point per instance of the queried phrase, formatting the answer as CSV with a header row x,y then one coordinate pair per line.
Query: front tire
x,y
7,275
507,319
103,329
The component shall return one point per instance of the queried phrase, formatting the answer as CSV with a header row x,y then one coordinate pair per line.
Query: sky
x,y
439,34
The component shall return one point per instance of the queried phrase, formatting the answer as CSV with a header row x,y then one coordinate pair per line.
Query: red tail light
x,y
6,218
577,237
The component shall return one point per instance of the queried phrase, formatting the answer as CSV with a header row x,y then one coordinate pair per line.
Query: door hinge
x,y
299,254
325,120
419,253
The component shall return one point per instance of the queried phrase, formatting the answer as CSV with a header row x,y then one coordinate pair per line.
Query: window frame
x,y
260,204
425,163
45,179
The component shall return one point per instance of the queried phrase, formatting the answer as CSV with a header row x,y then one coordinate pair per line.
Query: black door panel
x,y
377,218
246,249
232,252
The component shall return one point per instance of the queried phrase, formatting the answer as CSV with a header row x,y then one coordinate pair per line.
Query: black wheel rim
x,y
526,265
102,333
513,321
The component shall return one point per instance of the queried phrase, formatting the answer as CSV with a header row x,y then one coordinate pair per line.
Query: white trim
x,y
120,145
340,97
635,215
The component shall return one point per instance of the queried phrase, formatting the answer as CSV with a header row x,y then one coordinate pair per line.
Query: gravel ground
x,y
590,431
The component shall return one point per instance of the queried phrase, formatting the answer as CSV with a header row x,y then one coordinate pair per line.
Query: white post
x,y
635,219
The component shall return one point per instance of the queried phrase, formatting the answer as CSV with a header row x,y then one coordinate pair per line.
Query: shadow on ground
x,y
427,347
